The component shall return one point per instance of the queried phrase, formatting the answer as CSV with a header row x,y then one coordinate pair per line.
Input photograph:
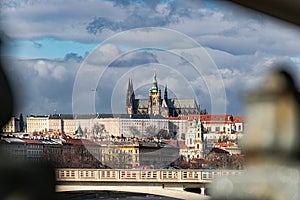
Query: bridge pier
x,y
202,190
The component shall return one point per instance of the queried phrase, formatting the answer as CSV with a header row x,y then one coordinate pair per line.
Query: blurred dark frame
x,y
29,181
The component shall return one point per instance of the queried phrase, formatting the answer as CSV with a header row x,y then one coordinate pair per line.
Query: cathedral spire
x,y
154,87
166,93
130,93
155,80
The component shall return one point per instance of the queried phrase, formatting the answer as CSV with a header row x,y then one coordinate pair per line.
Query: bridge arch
x,y
174,192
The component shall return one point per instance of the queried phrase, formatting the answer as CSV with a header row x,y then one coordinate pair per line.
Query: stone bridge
x,y
171,183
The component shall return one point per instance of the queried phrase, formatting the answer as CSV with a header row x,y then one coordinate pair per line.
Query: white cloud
x,y
42,85
243,45
50,70
59,19
103,55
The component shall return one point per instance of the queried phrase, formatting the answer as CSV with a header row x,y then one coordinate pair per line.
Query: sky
x,y
76,56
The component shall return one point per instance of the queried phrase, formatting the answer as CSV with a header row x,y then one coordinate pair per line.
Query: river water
x,y
111,195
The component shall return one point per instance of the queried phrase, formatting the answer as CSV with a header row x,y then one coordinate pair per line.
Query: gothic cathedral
x,y
156,105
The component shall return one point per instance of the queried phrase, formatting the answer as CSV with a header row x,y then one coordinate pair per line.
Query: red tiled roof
x,y
29,141
210,117
182,145
176,143
223,144
239,119
171,142
80,141
178,118
218,150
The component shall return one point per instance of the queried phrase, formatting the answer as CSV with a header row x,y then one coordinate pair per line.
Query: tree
x,y
79,132
134,131
151,131
21,122
98,129
203,112
164,134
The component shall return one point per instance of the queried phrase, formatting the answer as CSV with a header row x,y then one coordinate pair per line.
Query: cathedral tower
x,y
164,104
154,100
158,105
130,98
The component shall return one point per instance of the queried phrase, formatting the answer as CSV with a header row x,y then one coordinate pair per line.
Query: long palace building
x,y
157,105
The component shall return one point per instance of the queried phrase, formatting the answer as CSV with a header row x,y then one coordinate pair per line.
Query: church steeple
x,y
154,87
166,93
130,97
154,101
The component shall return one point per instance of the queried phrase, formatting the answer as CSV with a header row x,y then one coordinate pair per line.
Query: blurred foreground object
x,y
6,105
20,179
271,144
288,10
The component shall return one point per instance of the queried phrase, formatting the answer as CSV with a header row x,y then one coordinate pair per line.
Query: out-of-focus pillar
x,y
271,144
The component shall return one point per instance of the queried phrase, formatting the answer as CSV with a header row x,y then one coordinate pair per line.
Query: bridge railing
x,y
159,175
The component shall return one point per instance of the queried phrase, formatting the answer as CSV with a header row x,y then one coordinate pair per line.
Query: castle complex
x,y
156,105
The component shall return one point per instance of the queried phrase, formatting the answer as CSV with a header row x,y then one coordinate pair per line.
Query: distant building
x,y
158,105
120,154
22,149
99,125
158,155
239,123
12,126
37,124
178,126
125,154
14,148
230,147
194,140
143,125
219,123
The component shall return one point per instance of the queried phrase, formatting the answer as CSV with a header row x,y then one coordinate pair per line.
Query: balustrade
x,y
142,175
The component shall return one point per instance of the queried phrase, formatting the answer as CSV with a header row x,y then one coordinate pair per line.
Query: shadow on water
x,y
87,195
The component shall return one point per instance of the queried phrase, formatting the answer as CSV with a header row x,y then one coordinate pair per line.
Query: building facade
x,y
178,126
12,126
99,125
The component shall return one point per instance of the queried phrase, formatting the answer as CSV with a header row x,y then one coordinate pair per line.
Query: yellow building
x,y
37,124
120,155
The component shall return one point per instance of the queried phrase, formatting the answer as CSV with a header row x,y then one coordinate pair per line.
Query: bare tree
x,y
151,131
98,129
134,131
164,134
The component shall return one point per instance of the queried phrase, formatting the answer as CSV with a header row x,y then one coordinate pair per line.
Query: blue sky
x,y
47,45
46,48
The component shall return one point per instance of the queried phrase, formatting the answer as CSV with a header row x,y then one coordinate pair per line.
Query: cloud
x,y
36,44
146,14
73,56
56,19
50,70
243,44
103,55
134,58
42,85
